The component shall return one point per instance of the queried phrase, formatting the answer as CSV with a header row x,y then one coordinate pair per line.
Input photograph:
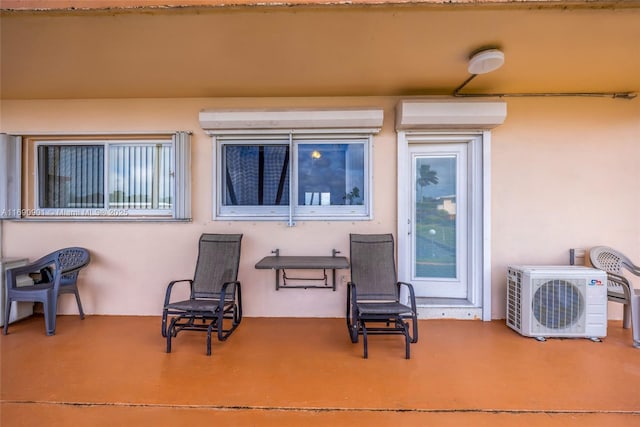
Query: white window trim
x,y
294,211
221,212
180,142
352,123
107,210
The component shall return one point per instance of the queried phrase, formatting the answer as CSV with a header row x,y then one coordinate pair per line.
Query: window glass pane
x,y
255,175
331,174
140,176
71,176
436,211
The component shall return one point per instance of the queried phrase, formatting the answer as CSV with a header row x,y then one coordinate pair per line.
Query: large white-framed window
x,y
293,176
295,164
108,176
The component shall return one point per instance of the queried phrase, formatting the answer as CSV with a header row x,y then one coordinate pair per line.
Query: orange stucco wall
x,y
564,174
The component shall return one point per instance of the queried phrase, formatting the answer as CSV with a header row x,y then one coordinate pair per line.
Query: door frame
x,y
456,287
478,303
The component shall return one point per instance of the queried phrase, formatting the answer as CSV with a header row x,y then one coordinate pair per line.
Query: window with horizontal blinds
x,y
140,176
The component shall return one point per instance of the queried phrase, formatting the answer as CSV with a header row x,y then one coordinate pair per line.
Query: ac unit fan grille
x,y
558,304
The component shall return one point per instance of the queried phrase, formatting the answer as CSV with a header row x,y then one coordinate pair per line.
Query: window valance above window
x,y
415,114
217,122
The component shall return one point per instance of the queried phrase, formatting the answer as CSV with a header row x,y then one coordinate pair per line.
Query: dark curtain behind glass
x,y
256,175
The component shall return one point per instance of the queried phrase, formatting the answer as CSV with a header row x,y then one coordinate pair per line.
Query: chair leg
x,y
635,314
170,332
364,340
236,315
209,330
414,325
407,341
7,315
77,294
49,308
352,325
238,312
626,316
353,332
164,323
219,323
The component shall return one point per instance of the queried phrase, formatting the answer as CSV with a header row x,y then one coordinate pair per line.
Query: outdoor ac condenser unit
x,y
557,301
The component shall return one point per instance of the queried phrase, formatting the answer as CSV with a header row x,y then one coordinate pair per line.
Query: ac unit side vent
x,y
514,307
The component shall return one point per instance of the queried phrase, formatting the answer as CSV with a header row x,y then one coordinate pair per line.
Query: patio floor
x,y
113,371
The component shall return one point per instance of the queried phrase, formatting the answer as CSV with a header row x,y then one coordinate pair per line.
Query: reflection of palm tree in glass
x,y
434,227
427,177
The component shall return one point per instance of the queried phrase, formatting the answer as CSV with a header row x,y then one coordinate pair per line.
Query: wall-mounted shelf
x,y
303,262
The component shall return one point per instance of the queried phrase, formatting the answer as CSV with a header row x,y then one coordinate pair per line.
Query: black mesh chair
x,y
215,301
619,288
373,295
57,273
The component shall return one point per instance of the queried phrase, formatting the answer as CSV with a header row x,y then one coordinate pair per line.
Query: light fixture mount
x,y
486,60
489,59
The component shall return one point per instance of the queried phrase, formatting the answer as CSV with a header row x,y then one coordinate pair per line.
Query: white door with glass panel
x,y
438,220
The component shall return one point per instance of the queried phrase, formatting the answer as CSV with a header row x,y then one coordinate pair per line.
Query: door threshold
x,y
447,308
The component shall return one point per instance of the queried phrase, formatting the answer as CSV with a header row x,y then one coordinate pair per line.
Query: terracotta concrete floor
x,y
113,371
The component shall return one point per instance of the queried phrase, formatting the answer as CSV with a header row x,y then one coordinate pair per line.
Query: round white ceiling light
x,y
485,61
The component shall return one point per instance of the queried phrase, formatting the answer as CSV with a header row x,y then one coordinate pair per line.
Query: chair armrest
x,y
223,293
33,267
167,297
412,294
622,282
12,274
634,269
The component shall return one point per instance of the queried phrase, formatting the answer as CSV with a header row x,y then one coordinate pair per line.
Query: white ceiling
x,y
315,51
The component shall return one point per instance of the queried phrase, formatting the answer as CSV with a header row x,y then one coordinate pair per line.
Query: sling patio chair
x,y
374,304
57,274
215,298
619,288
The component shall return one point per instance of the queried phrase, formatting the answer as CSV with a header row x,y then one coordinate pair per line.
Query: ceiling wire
x,y
614,95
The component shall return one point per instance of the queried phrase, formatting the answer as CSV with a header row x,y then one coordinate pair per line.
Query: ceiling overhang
x,y
416,49
76,6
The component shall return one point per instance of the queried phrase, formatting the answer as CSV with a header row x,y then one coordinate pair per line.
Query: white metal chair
x,y
619,289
